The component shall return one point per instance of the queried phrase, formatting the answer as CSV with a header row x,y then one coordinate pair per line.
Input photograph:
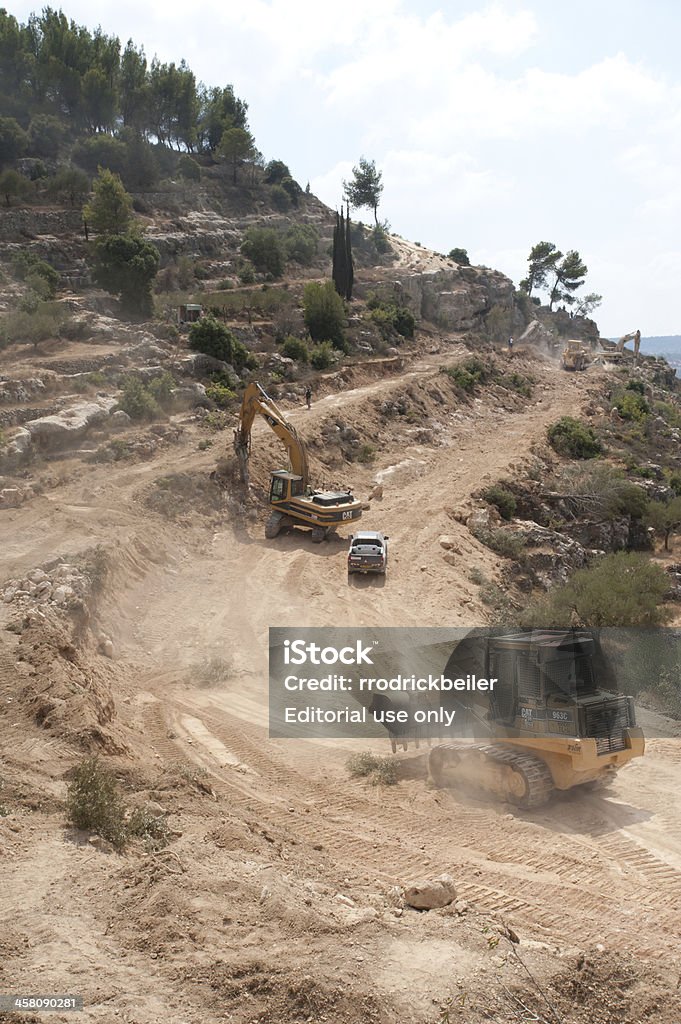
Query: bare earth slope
x,y
275,900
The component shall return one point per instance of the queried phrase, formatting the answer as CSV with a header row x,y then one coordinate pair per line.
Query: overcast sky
x,y
495,125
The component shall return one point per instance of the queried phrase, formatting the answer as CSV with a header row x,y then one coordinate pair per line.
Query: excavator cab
x,y
285,486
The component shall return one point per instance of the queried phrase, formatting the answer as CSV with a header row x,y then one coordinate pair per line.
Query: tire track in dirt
x,y
354,829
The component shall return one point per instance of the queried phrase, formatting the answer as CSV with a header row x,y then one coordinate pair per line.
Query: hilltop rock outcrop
x,y
453,297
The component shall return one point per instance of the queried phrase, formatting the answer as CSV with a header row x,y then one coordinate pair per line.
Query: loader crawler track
x,y
530,783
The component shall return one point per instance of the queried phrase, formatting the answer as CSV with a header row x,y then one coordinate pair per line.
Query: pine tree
x,y
366,187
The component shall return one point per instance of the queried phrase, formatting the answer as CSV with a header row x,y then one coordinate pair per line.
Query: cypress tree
x,y
339,272
348,259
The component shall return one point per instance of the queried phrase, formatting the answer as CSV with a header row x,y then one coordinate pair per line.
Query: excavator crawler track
x,y
521,779
274,524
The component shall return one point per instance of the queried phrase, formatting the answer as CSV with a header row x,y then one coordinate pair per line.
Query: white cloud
x,y
493,129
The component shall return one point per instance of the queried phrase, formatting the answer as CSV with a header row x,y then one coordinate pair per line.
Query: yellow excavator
x,y
634,336
553,720
292,501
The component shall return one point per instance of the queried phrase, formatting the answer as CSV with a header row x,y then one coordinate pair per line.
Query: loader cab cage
x,y
541,665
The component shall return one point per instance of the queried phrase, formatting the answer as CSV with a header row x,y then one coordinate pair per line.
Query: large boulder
x,y
604,535
53,433
431,893
536,334
453,297
189,396
200,365
550,557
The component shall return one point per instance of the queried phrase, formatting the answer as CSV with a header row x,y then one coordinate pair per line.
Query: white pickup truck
x,y
368,552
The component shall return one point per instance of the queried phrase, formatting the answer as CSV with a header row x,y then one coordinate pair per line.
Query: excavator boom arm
x,y
256,402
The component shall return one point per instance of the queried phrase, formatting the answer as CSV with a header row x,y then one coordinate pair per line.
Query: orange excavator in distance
x,y
292,501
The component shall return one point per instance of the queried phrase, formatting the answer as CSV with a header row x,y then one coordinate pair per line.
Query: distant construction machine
x,y
576,355
292,501
553,719
634,336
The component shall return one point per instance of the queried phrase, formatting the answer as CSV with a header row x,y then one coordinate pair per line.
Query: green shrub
x,y
459,256
665,518
379,770
631,405
324,313
214,339
151,827
46,135
468,374
97,567
292,188
101,151
280,198
505,543
264,247
322,356
161,388
93,802
296,348
188,168
13,139
301,242
220,394
37,290
670,413
597,488
367,453
574,439
382,319
140,205
516,382
502,498
126,265
404,321
276,171
201,272
215,421
27,266
624,589
381,240
46,321
637,386
389,317
69,183
138,401
463,380
13,184
632,501
246,272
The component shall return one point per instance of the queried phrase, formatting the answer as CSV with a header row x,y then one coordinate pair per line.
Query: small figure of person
x,y
308,396
510,347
